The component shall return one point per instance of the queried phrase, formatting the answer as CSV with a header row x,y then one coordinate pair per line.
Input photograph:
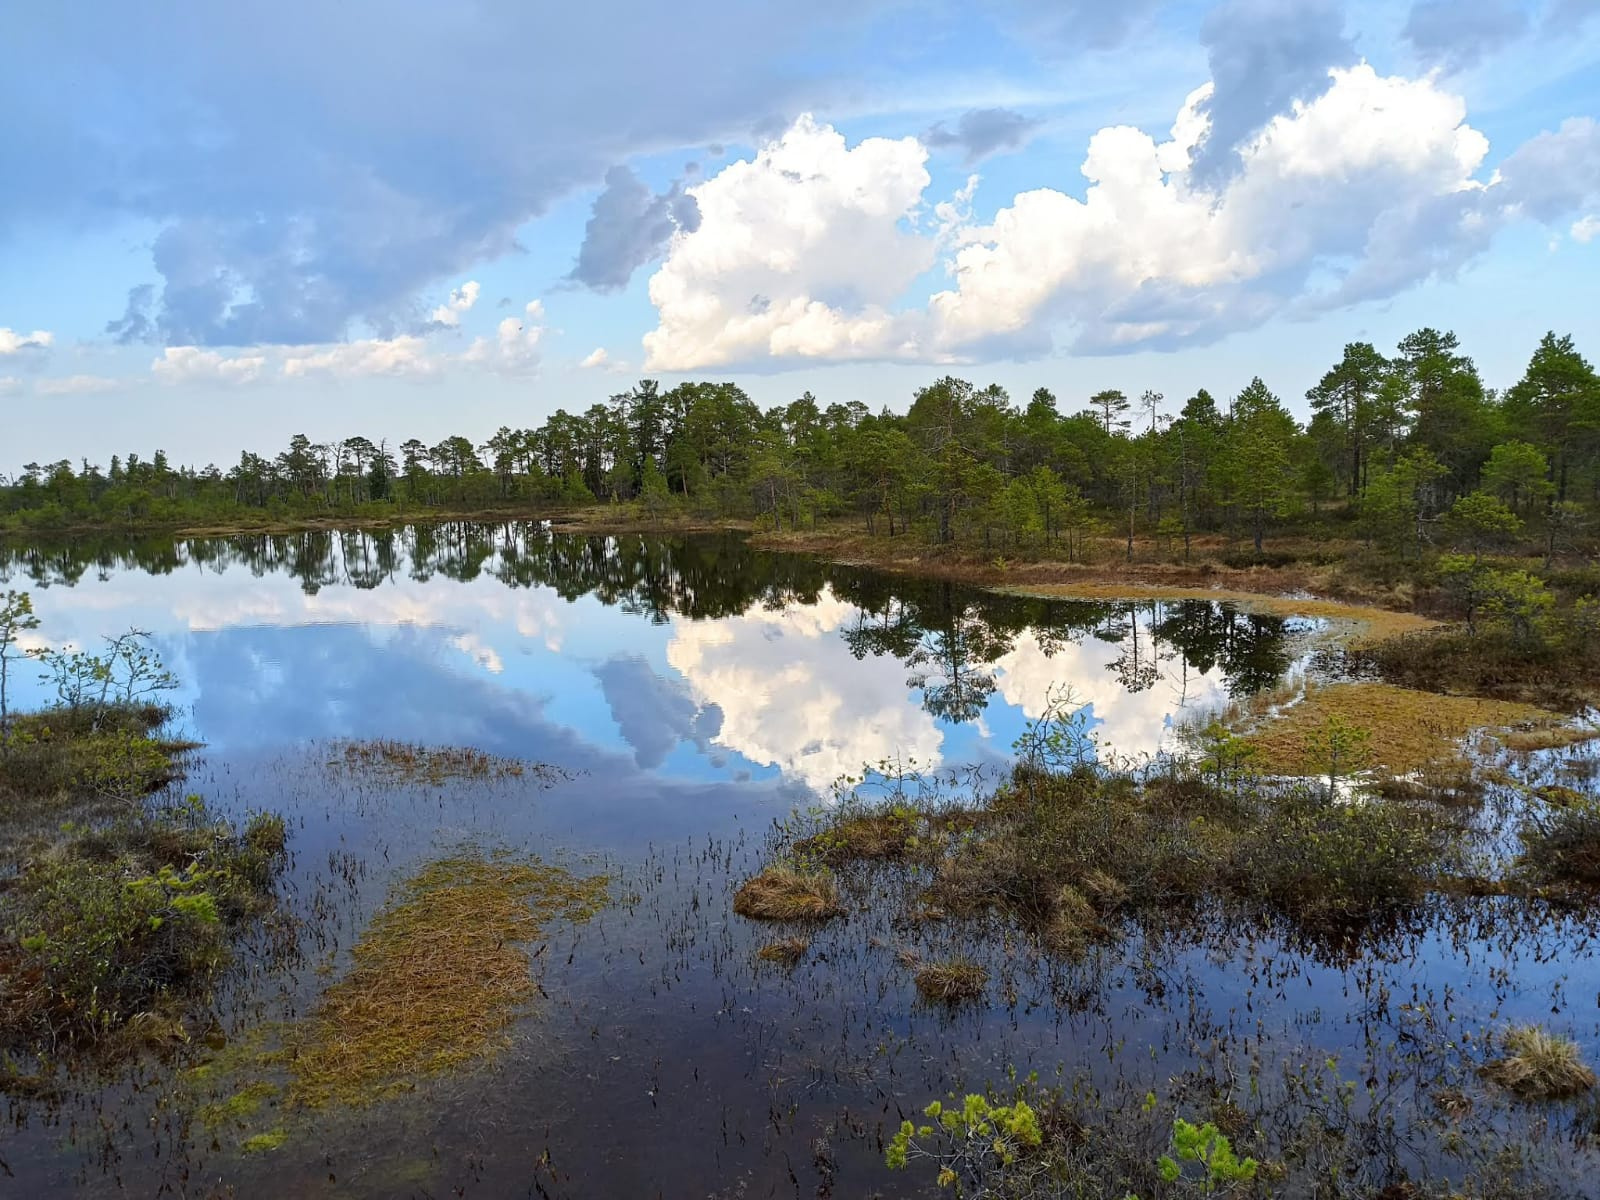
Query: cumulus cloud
x,y
461,300
1265,56
1586,229
10,385
595,358
791,695
1148,259
799,253
12,342
1455,34
75,385
629,227
1365,190
515,347
191,364
981,132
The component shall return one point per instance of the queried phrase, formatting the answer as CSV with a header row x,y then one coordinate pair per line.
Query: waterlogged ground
x,y
687,695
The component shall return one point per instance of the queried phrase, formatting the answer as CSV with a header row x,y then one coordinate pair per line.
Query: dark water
x,y
696,692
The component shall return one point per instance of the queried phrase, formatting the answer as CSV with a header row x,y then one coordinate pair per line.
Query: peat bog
x,y
530,875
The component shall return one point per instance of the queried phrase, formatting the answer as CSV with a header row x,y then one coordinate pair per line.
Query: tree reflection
x,y
949,637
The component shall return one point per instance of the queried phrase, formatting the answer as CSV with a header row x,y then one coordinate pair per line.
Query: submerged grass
x,y
785,951
438,977
409,762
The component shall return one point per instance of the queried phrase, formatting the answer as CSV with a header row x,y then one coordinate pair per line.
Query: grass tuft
x,y
953,982
1539,1065
782,893
785,951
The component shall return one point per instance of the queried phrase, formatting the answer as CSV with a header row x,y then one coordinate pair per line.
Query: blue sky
x,y
223,225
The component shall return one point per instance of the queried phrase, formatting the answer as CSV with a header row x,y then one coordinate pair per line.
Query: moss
x,y
262,1143
1405,730
784,893
237,1108
952,982
438,977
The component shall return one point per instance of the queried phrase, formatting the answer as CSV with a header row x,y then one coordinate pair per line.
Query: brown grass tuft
x,y
407,762
785,951
952,982
1539,1065
438,977
781,893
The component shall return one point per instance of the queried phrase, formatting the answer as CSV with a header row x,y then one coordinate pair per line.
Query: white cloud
x,y
1127,724
405,355
799,254
1144,259
515,349
76,385
792,696
11,342
191,364
595,358
461,300
10,385
1586,229
810,250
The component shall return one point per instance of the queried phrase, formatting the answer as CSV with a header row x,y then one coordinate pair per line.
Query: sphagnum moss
x,y
438,977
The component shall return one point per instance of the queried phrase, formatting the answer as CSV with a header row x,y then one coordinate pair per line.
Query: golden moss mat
x,y
1405,730
406,762
1355,624
438,978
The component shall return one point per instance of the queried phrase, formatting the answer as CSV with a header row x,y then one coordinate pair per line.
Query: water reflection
x,y
697,658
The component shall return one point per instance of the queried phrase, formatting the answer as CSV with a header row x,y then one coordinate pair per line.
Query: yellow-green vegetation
x,y
786,893
885,834
260,1143
1538,1065
1405,731
785,951
952,982
53,760
437,979
1073,854
1353,625
407,762
112,930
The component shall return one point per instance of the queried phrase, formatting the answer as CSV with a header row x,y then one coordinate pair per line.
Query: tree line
x,y
1393,444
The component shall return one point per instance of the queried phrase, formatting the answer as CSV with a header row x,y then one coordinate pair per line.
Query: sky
x,y
221,225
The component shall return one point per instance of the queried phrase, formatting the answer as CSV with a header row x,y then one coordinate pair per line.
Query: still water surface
x,y
693,691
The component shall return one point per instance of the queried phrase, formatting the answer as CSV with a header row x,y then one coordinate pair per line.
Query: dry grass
x,y
438,977
1548,737
1538,1065
1407,730
785,951
782,893
405,762
952,982
1352,624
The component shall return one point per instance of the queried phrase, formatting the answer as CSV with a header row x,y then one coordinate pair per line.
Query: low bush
x,y
1562,845
128,919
